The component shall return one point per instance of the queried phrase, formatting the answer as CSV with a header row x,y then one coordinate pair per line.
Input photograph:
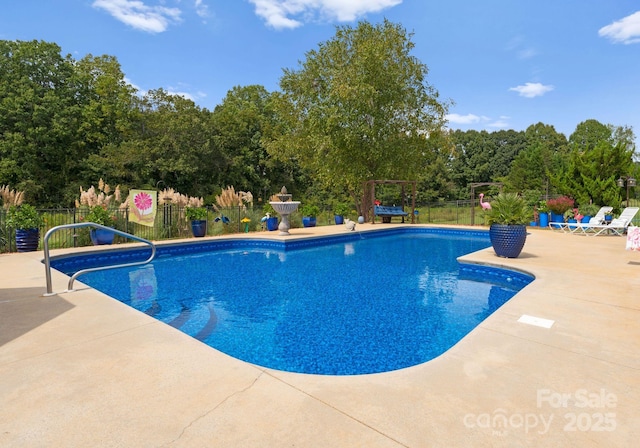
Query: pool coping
x,y
83,369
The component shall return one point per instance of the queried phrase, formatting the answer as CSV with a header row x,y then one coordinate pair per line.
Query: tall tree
x,y
239,124
179,148
359,108
599,155
39,119
543,155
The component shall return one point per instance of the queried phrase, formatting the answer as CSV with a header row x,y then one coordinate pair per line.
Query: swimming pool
x,y
341,305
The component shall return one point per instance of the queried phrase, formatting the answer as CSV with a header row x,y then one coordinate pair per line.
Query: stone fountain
x,y
284,207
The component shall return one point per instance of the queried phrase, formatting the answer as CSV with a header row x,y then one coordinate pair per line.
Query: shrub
x,y
560,205
341,209
310,210
23,217
195,213
508,209
100,214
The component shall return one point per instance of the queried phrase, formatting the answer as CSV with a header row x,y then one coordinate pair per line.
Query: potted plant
x,y
508,217
340,210
543,213
588,211
270,217
198,218
572,216
558,207
26,221
309,214
100,214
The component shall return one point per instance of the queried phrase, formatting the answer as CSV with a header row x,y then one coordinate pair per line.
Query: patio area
x,y
81,369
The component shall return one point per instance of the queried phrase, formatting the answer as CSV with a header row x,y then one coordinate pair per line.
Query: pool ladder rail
x,y
47,259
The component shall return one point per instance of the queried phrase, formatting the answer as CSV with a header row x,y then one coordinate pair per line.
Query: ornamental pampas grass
x,y
10,197
101,196
230,198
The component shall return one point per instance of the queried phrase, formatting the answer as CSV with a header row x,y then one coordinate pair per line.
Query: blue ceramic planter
x,y
507,241
101,236
27,239
556,218
199,228
544,219
272,223
339,219
308,221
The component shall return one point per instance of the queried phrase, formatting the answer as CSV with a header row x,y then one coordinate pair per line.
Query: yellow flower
x,y
245,219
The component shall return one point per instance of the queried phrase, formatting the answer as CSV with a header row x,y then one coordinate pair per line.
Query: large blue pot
x,y
199,227
101,236
507,240
556,218
272,223
27,239
544,219
308,221
339,219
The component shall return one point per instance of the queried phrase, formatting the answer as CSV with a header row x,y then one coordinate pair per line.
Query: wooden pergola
x,y
369,197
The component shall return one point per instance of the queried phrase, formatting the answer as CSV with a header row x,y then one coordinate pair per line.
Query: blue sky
x,y
505,64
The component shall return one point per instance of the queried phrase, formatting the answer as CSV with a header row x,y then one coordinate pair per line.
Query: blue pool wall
x,y
69,264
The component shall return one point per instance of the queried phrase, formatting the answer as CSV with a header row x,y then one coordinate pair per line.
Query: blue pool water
x,y
350,305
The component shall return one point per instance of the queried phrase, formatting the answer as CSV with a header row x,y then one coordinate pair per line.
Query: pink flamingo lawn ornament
x,y
484,205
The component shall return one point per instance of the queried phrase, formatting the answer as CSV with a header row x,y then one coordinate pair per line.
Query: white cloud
x,y
625,30
483,121
136,14
202,9
293,13
532,89
501,123
466,119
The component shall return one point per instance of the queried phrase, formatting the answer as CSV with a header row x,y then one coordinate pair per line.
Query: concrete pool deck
x,y
81,369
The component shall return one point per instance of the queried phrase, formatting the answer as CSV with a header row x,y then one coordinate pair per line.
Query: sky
x,y
503,64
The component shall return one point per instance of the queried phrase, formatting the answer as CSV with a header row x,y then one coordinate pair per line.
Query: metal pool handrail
x,y
47,260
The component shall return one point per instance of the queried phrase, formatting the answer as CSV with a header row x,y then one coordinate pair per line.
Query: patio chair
x,y
598,219
617,226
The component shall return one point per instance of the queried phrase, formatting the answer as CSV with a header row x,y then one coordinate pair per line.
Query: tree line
x,y
359,107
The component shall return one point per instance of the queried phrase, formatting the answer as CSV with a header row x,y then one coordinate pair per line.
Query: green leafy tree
x,y
481,156
239,124
39,119
176,145
544,154
599,155
358,108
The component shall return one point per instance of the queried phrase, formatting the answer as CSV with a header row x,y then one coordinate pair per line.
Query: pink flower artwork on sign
x,y
144,203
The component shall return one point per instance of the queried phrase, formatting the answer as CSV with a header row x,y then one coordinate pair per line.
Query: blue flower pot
x,y
544,219
308,221
556,218
101,236
272,223
199,228
27,240
339,219
507,240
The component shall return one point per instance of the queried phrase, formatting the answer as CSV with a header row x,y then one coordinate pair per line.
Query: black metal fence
x,y
170,222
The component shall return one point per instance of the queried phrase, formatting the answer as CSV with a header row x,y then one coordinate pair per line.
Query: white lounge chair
x,y
617,226
598,219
